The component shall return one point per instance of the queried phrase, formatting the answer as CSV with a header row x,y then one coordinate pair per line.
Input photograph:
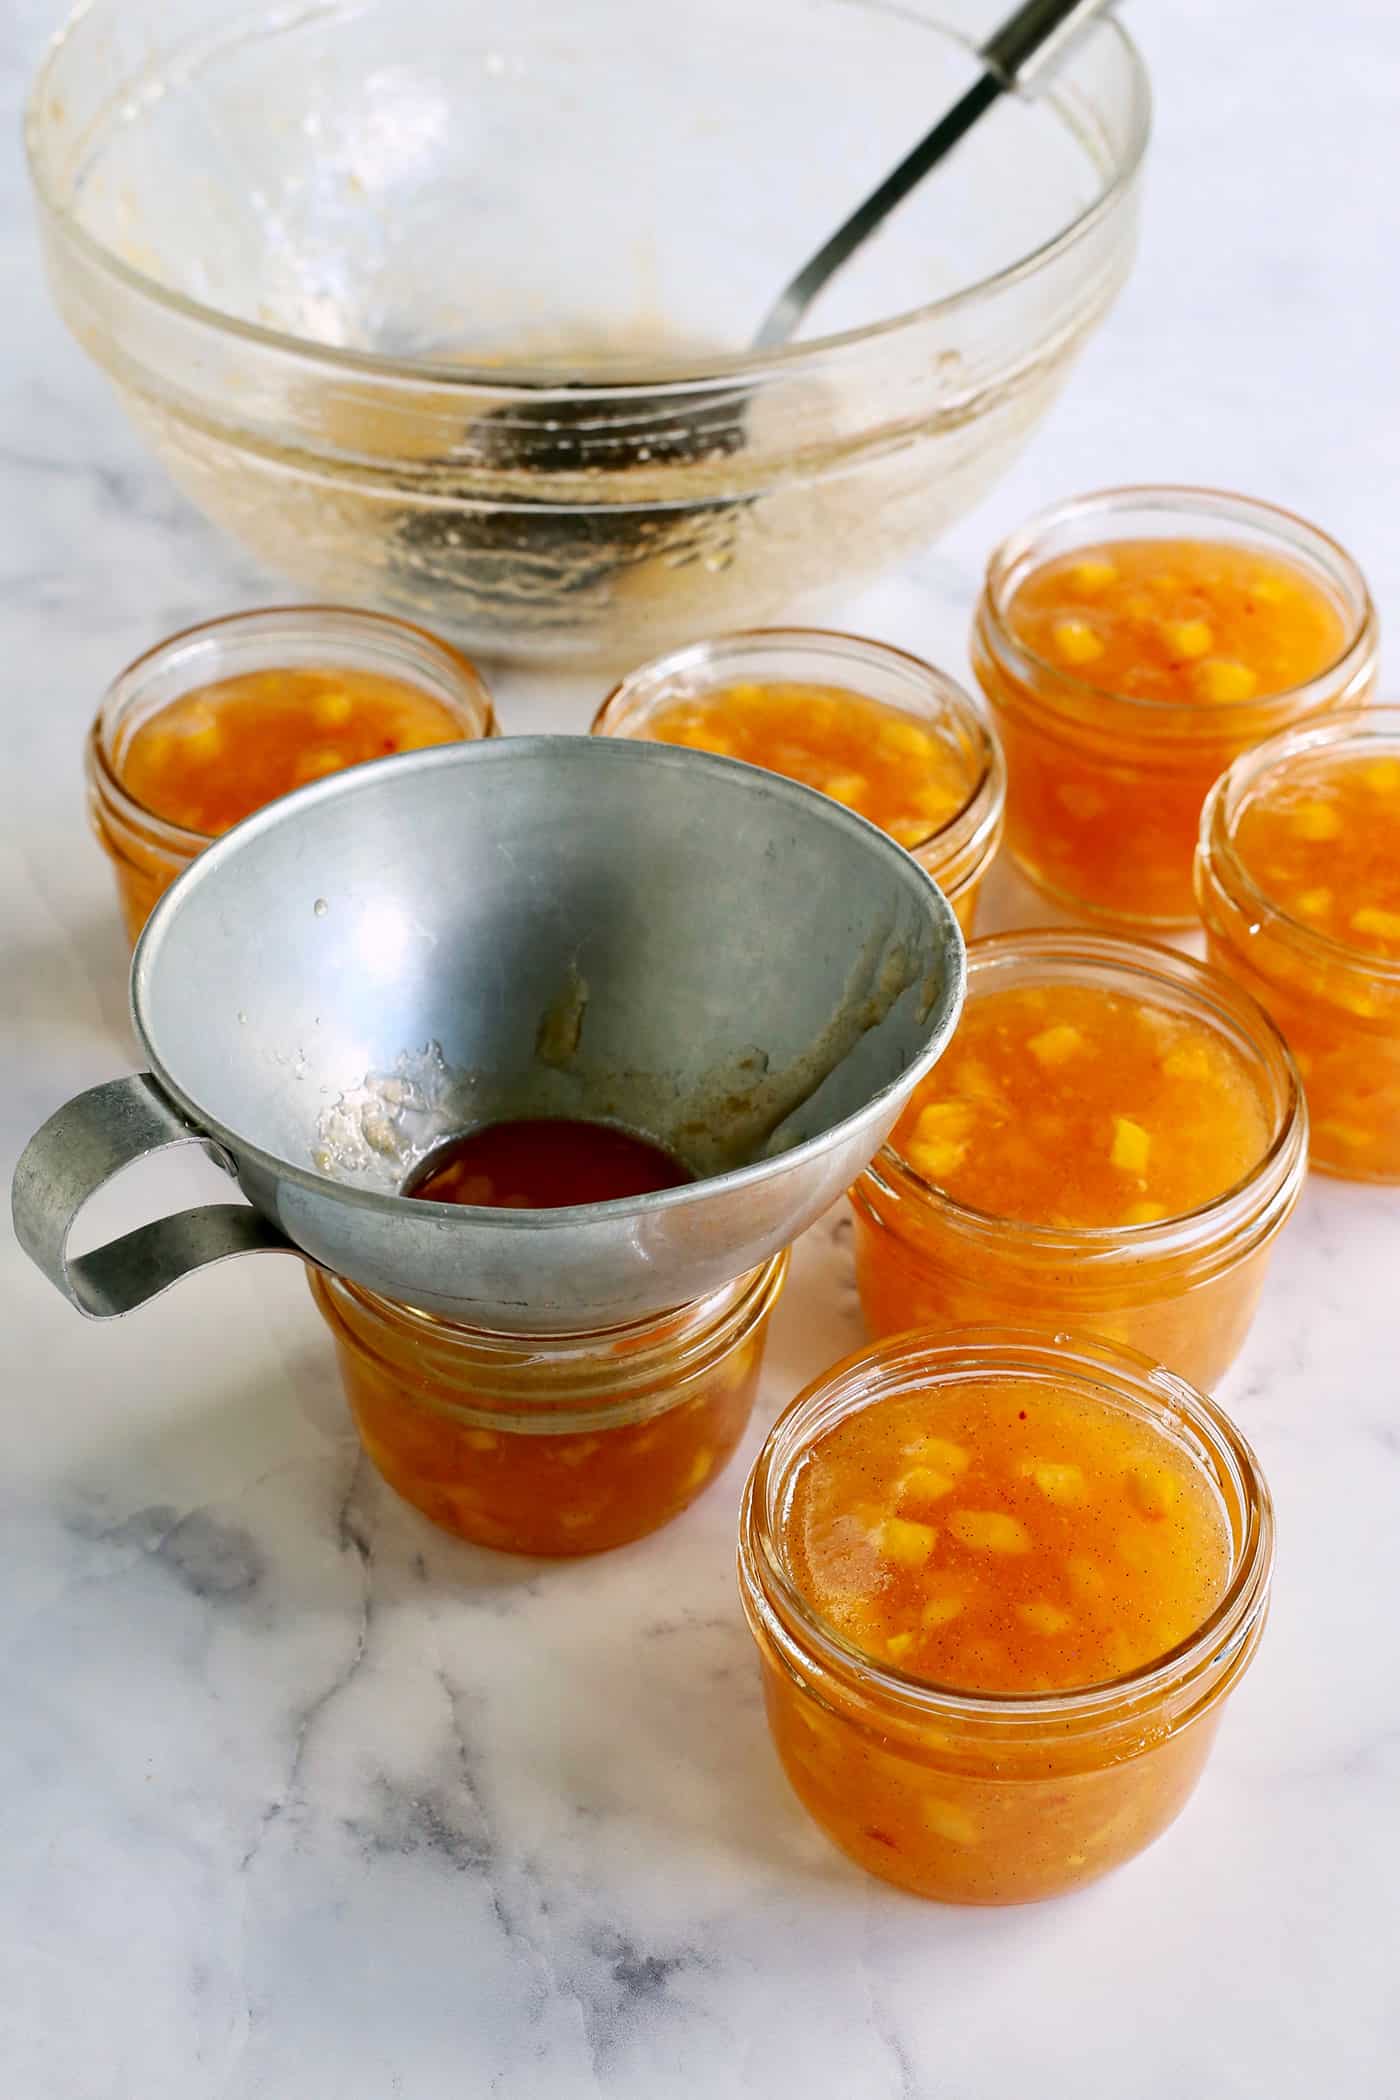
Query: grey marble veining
x,y
298,1797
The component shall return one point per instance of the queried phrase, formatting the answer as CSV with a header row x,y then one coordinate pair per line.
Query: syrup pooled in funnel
x,y
544,1163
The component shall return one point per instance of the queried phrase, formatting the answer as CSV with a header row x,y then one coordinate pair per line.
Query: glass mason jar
x,y
972,1797
957,850
1338,1007
551,1444
1181,1289
147,851
1105,789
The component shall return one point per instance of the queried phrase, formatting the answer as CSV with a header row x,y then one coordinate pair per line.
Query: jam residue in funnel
x,y
544,1163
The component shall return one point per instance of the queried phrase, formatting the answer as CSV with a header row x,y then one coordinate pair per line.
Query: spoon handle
x,y
1023,54
1031,46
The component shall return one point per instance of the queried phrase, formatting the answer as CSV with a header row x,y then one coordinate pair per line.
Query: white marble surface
x,y
297,1798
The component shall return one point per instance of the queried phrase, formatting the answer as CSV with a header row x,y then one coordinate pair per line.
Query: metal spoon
x,y
1022,57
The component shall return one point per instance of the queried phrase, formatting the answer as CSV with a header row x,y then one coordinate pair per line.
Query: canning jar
x,y
993,1797
1298,883
1106,786
551,1444
149,846
894,739
1182,1286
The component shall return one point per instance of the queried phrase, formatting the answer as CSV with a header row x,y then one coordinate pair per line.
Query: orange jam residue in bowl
x,y
1002,1537
545,1163
879,761
1072,1105
1192,621
210,758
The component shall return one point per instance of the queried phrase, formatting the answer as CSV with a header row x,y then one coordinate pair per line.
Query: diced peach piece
x,y
699,1469
941,1611
1076,641
332,710
907,738
898,1645
940,1452
1380,925
1351,1135
907,1544
480,1439
1188,638
1083,803
1093,574
577,1451
1382,774
1043,1617
1132,1147
1058,1481
1057,1045
938,804
846,787
989,1531
1315,904
924,1484
1152,1489
315,765
946,1820
1086,1577
1187,1061
1220,678
940,1138
908,831
1316,821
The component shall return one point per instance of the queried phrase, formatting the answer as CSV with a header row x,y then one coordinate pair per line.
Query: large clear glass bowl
x,y
441,305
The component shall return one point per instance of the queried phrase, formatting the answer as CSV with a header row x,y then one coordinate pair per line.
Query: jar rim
x,y
685,1342
893,1366
1271,1184
461,685
1218,848
654,684
1010,559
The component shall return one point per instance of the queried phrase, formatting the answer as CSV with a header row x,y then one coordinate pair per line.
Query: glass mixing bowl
x,y
441,305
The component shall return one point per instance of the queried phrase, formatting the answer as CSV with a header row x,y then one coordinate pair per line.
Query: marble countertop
x,y
299,1798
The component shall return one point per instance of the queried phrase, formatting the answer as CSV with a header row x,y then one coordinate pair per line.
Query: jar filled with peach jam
x,y
881,731
1298,882
1130,645
551,1444
1111,1142
223,718
1001,1589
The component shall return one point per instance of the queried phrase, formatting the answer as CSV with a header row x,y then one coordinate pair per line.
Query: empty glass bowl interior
x,y
446,301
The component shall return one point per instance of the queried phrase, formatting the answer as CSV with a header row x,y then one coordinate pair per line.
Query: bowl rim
x,y
943,1013
539,382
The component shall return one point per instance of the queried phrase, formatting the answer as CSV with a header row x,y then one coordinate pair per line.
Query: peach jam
x,y
221,719
877,730
1111,1143
1130,645
1000,1589
551,1444
544,1163
1298,879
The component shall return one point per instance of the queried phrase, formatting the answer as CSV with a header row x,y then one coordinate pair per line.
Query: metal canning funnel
x,y
715,957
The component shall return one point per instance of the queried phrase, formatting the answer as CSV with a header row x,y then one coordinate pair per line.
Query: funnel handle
x,y
87,1141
